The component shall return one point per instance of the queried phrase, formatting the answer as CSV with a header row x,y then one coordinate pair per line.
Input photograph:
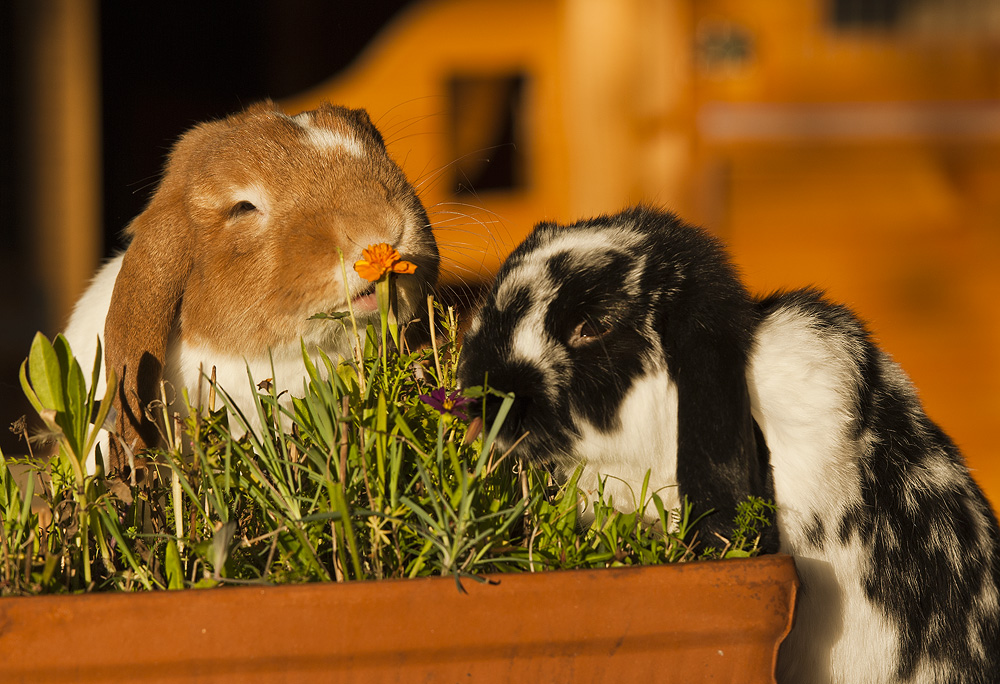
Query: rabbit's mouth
x,y
365,301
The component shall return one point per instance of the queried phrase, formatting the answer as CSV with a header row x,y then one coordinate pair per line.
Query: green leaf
x,y
77,417
95,373
9,493
508,400
102,412
111,523
220,545
172,562
46,380
28,391
51,562
331,316
29,492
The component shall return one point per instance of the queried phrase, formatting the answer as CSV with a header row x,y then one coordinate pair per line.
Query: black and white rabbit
x,y
238,247
632,346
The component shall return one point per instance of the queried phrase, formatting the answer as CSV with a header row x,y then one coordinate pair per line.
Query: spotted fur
x,y
632,346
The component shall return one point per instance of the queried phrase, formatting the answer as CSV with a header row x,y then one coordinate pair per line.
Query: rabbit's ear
x,y
148,292
144,306
722,457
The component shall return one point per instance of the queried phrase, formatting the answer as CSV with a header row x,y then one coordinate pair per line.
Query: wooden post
x,y
62,111
627,93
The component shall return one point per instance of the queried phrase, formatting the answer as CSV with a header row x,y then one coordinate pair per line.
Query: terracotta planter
x,y
713,621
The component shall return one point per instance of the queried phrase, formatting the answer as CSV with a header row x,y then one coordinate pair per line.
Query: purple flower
x,y
447,403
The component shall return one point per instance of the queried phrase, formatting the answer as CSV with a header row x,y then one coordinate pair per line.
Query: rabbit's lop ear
x,y
722,458
147,295
142,312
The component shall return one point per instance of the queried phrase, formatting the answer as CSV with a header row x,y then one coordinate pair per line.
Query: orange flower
x,y
377,259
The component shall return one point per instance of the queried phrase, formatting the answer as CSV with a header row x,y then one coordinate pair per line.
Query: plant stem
x,y
3,545
434,345
84,537
359,345
175,491
384,311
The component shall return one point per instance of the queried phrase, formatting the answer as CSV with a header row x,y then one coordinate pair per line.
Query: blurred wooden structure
x,y
62,112
827,142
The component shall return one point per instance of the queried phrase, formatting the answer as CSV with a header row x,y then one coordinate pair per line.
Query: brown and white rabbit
x,y
238,247
631,346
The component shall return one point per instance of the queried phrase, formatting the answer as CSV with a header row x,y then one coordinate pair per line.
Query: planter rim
x,y
630,621
776,561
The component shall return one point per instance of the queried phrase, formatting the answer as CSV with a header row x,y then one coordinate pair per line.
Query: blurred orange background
x,y
845,144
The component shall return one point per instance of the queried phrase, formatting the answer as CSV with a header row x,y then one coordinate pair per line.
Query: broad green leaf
x,y
32,397
46,379
77,414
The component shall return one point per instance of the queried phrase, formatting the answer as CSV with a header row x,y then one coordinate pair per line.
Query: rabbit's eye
x,y
589,331
241,208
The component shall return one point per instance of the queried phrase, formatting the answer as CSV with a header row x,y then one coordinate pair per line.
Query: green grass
x,y
357,478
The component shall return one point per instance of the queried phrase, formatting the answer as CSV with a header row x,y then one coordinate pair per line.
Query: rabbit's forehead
x,y
579,251
329,138
282,142
280,158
